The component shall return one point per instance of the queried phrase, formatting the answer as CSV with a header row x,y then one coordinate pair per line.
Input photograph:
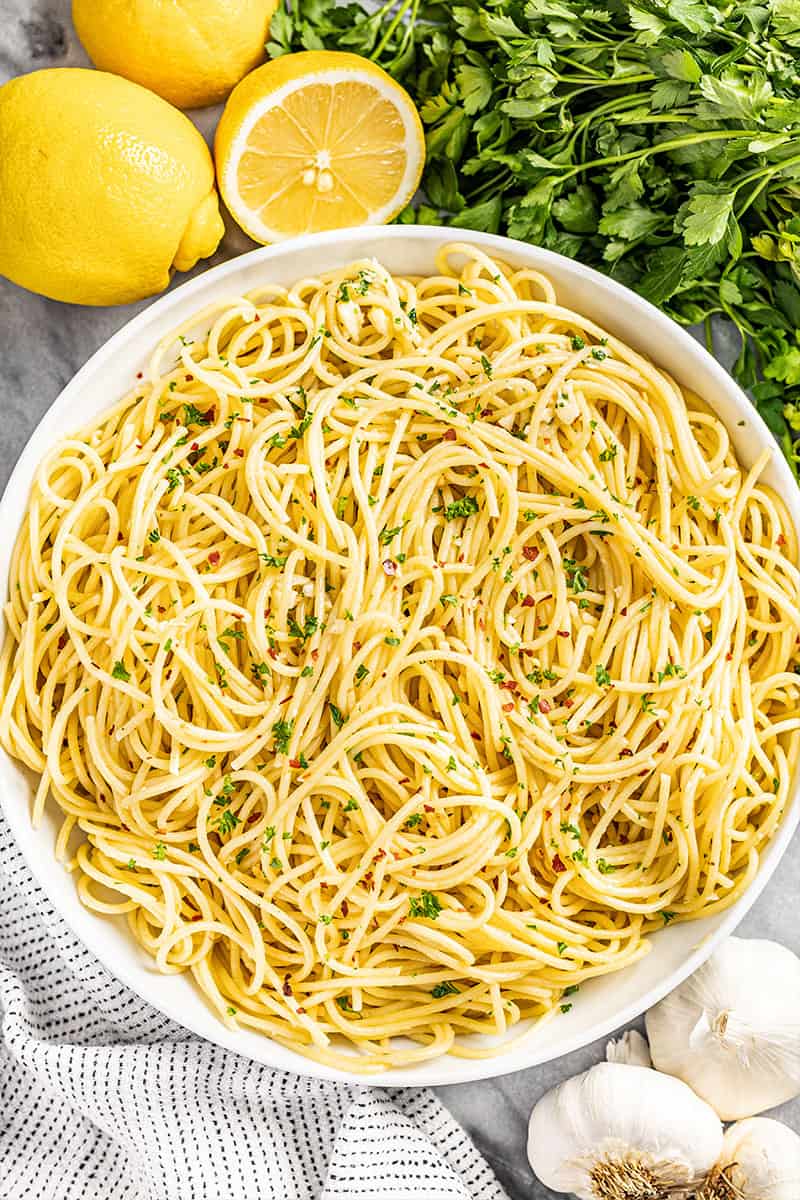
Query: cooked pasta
x,y
401,652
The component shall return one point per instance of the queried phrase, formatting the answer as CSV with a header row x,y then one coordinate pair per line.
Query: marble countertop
x,y
42,344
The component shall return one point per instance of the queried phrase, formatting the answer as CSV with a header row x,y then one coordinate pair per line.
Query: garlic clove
x,y
732,1031
760,1160
631,1048
619,1130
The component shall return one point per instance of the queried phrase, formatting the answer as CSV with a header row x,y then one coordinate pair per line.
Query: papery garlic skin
x,y
613,1115
732,1031
761,1158
630,1048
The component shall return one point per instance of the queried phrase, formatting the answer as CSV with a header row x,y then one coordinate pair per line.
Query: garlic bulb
x,y
760,1160
618,1130
732,1031
630,1048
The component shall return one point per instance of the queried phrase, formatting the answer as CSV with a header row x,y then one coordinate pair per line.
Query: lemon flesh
x,y
317,140
191,52
104,187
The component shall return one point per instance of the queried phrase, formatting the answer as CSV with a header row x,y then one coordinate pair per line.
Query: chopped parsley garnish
x,y
602,676
386,536
465,507
336,713
193,416
226,635
576,578
119,672
297,431
425,905
444,989
282,732
310,625
227,822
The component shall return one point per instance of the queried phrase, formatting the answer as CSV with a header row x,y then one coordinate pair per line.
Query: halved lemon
x,y
317,140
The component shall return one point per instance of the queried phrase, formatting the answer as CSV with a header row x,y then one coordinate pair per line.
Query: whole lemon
x,y
191,52
104,188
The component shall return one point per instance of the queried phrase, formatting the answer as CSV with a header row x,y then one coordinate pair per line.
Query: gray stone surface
x,y
42,344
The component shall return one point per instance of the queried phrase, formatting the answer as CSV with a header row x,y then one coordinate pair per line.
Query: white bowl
x,y
605,1003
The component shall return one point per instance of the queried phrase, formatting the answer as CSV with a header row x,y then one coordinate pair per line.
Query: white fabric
x,y
102,1098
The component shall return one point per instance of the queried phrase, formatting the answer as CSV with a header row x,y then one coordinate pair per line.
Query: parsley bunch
x,y
658,141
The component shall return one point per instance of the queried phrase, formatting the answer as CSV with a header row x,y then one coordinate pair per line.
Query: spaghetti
x,y
401,652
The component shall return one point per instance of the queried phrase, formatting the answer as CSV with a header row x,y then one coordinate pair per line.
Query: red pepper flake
x,y
662,747
405,779
389,566
213,557
624,611
209,415
140,374
196,917
195,446
428,808
300,1010
530,552
509,685
161,608
508,707
368,877
781,540
295,763
568,703
558,865
728,656
548,812
449,435
528,602
254,816
544,707
356,646
273,654
62,641
379,855
345,908
287,987
626,753
563,633
324,886
256,317
239,453
476,737
314,655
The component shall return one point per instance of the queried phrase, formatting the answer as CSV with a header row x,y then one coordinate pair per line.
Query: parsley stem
x,y
383,43
712,135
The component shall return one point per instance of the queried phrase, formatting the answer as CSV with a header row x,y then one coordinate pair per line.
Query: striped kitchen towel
x,y
103,1098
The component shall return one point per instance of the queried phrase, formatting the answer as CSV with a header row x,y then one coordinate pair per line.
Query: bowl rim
x,y
446,1069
